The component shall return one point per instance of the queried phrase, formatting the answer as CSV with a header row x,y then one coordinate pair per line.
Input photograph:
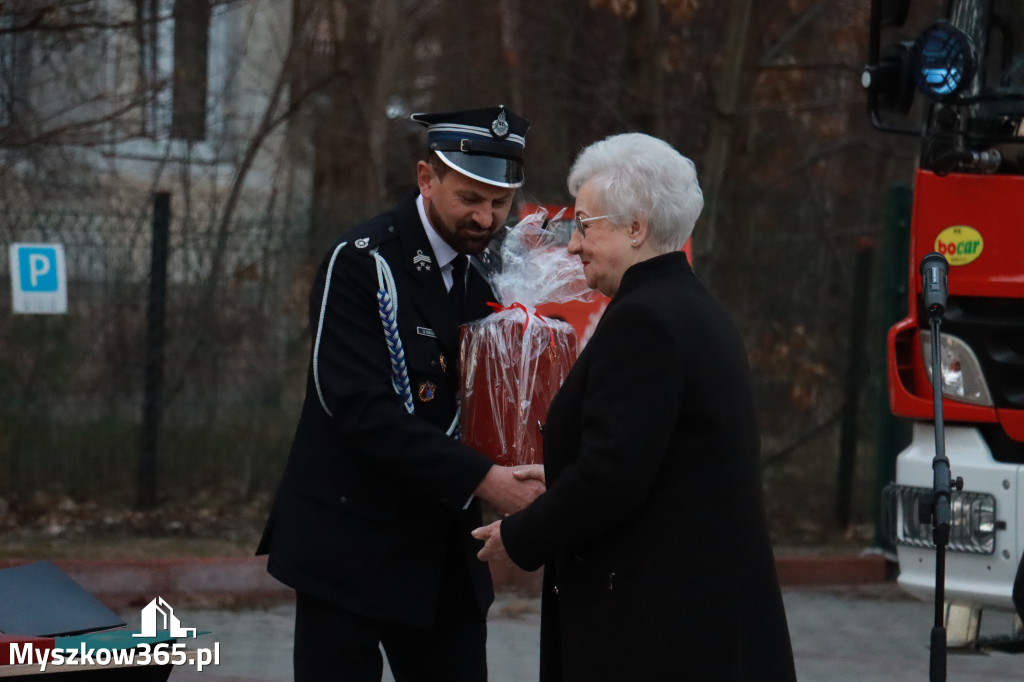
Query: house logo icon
x,y
153,611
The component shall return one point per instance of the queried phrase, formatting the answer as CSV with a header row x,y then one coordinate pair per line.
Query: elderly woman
x,y
652,529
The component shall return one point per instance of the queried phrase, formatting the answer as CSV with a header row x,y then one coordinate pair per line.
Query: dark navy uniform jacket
x,y
372,510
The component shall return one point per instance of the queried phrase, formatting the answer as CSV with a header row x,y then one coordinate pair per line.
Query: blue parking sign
x,y
38,278
37,266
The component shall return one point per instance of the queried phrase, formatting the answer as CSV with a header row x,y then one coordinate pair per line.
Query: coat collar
x,y
443,252
418,256
664,264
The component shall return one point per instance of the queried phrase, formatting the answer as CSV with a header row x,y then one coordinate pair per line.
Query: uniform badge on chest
x,y
421,261
426,391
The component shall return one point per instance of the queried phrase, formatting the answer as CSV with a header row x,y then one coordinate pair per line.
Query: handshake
x,y
511,489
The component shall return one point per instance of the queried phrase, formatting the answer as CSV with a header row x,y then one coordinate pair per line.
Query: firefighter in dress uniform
x,y
371,523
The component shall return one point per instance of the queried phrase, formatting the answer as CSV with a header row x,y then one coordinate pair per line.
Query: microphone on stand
x,y
935,290
935,284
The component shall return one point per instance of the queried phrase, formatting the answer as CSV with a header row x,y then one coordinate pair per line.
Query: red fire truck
x,y
952,73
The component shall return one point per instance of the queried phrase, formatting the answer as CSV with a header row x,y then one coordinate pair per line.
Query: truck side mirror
x,y
888,77
890,82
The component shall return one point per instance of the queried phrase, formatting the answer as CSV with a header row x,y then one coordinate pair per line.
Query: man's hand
x,y
502,488
494,548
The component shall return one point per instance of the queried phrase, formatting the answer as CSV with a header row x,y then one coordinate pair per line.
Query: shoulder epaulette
x,y
369,236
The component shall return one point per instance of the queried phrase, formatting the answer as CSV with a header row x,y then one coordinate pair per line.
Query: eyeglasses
x,y
581,223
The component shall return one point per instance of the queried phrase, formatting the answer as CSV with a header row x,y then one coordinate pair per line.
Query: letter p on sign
x,y
39,278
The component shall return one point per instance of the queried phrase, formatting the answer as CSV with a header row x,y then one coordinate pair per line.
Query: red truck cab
x,y
954,76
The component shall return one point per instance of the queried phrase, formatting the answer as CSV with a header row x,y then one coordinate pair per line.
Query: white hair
x,y
639,176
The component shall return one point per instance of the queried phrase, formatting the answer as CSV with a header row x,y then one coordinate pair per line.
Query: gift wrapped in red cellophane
x,y
512,364
514,361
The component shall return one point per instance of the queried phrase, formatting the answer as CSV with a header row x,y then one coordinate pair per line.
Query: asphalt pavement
x,y
839,634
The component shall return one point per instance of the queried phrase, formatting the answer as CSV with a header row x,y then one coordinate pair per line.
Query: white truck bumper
x,y
977,579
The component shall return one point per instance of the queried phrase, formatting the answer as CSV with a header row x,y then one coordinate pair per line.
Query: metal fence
x,y
71,386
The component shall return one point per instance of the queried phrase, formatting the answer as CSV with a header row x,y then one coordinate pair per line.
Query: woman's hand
x,y
527,472
494,548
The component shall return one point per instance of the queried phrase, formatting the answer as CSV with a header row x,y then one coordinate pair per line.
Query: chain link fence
x,y
234,352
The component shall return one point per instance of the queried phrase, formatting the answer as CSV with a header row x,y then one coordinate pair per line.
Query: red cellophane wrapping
x,y
510,373
514,361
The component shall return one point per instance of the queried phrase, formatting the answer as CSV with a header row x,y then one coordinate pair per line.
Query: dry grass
x,y
51,526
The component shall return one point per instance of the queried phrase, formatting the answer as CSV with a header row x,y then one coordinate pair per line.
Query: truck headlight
x,y
972,526
962,379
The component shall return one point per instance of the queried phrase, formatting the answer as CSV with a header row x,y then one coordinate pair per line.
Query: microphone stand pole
x,y
934,290
940,511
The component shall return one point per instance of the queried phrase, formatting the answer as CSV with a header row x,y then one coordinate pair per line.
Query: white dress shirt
x,y
443,251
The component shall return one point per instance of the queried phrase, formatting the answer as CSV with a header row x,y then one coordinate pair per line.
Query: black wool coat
x,y
371,512
653,529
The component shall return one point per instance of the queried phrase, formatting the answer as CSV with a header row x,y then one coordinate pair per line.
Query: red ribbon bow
x,y
500,308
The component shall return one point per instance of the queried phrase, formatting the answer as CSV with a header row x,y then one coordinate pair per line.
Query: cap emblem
x,y
362,243
499,126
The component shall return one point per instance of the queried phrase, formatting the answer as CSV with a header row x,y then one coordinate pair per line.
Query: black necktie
x,y
457,294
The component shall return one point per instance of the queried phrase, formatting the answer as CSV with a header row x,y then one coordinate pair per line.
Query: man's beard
x,y
455,234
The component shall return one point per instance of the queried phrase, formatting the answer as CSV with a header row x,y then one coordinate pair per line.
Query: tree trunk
x,y
729,87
